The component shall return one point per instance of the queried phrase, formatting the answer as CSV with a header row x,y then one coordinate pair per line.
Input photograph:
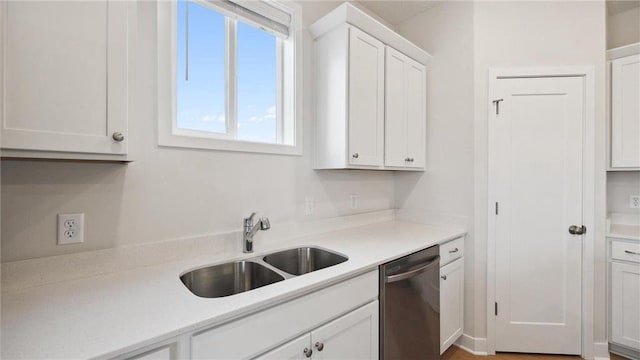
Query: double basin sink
x,y
240,276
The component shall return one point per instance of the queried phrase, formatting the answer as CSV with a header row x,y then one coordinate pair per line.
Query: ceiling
x,y
618,6
397,11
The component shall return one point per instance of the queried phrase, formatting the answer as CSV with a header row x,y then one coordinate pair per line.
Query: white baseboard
x,y
475,346
601,351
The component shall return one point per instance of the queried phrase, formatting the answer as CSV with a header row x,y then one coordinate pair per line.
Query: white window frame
x,y
289,90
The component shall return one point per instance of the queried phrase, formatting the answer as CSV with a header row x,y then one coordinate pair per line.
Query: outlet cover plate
x,y
634,201
70,229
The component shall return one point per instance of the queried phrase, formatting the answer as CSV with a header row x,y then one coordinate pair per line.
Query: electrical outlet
x,y
70,229
353,199
308,206
634,201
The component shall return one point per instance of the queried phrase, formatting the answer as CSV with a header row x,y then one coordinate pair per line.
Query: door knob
x,y
307,352
319,346
118,136
577,230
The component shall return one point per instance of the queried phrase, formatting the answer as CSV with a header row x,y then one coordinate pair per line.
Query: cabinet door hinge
x,y
497,208
496,308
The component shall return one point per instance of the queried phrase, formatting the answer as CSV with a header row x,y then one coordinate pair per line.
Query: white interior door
x,y
535,178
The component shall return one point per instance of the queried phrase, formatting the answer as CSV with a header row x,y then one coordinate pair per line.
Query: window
x,y
228,74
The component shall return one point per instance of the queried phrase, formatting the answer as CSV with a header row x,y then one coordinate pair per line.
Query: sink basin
x,y
303,260
229,279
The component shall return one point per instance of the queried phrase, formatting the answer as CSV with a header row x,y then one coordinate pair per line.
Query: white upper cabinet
x,y
625,112
405,111
370,107
365,99
65,78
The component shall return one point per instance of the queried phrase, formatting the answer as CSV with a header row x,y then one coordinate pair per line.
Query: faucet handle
x,y
249,220
265,224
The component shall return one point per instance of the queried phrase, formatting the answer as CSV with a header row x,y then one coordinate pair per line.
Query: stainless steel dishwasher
x,y
410,307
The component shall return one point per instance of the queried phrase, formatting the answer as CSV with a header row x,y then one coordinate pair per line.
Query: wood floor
x,y
455,353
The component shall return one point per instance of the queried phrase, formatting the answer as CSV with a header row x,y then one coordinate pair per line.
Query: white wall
x,y
444,194
170,193
623,28
532,34
621,185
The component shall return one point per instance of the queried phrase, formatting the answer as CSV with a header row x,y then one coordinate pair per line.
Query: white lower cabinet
x,y
352,336
349,302
625,294
451,293
293,350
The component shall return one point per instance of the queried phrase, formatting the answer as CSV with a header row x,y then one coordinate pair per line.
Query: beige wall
x,y
534,34
170,193
446,189
623,28
621,185
494,34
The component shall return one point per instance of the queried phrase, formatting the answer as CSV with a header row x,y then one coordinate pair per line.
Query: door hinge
x,y
497,104
497,208
496,308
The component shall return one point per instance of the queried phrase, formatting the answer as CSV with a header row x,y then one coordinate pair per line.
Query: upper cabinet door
x,y
416,113
625,112
395,153
405,111
366,99
65,76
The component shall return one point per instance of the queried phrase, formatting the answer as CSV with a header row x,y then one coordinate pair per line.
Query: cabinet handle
x,y
307,352
453,251
444,277
355,156
632,252
319,346
118,136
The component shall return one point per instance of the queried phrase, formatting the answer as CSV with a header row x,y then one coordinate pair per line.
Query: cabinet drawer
x,y
626,251
451,250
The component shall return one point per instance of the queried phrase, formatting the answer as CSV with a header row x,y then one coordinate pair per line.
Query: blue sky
x,y
201,99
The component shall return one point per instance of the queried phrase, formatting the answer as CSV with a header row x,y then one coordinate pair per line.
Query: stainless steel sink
x,y
303,260
229,279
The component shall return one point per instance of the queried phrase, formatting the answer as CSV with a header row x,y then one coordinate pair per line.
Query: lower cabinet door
x,y
625,297
297,349
352,336
451,303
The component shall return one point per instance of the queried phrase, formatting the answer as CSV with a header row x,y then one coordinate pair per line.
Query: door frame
x,y
588,204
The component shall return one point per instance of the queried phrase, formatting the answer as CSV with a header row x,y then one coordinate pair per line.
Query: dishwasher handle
x,y
411,273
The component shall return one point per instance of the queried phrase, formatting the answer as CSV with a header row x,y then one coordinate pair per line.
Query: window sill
x,y
228,145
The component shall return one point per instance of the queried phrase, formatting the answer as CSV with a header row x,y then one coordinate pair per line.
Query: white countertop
x,y
115,313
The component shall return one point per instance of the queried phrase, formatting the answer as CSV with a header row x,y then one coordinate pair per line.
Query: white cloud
x,y
270,114
209,118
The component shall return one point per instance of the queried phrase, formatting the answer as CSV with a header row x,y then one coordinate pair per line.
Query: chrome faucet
x,y
250,229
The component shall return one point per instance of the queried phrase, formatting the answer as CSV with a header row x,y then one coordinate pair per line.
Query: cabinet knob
x,y
118,136
307,352
410,159
355,156
407,159
319,346
444,277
